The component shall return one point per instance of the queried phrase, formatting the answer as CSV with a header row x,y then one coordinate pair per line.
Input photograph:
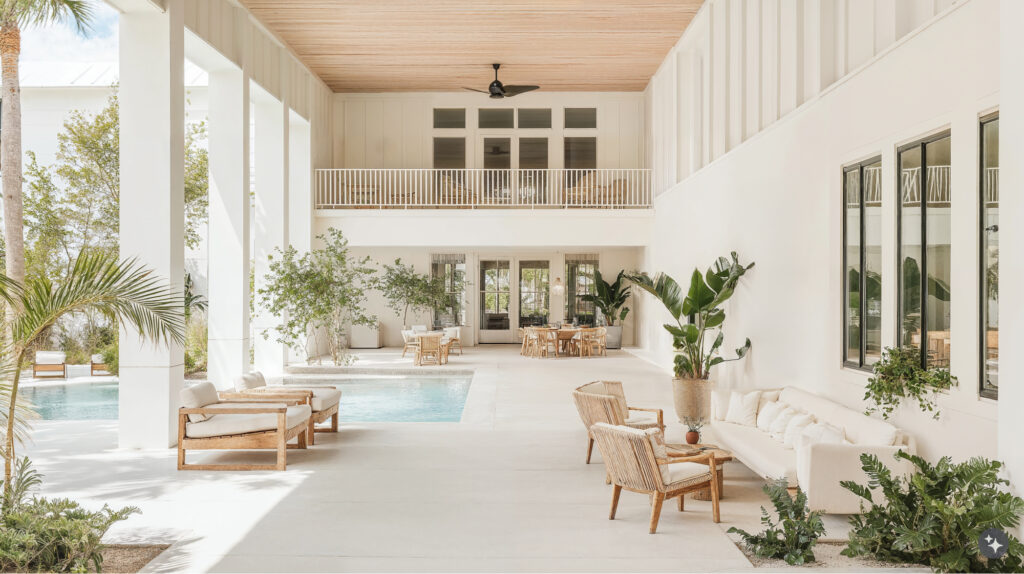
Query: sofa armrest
x,y
820,468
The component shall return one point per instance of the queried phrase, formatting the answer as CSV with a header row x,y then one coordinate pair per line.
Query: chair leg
x,y
282,444
682,504
659,498
590,448
334,422
715,514
616,490
311,432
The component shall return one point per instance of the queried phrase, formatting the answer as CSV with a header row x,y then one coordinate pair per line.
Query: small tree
x,y
320,293
406,290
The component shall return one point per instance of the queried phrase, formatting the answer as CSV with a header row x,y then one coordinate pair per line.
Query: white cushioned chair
x,y
208,421
816,468
50,362
323,400
605,402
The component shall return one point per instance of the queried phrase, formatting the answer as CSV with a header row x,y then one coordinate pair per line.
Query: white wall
x,y
395,130
776,199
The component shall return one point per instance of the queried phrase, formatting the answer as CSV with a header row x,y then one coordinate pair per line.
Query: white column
x,y
229,226
152,98
271,215
1011,233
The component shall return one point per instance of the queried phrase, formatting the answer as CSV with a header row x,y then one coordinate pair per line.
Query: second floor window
x,y
862,263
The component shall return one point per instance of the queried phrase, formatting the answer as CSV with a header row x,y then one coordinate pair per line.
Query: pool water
x,y
93,401
402,399
363,399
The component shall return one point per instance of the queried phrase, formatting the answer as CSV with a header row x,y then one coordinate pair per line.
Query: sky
x,y
62,43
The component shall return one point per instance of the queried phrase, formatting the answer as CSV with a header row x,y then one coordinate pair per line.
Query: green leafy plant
x,y
936,515
196,345
610,298
405,289
110,357
793,537
898,376
698,314
40,535
694,424
317,294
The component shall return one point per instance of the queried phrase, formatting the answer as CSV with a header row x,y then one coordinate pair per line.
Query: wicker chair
x,y
605,402
429,350
637,462
409,343
454,336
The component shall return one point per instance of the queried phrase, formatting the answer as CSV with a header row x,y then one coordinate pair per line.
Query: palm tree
x,y
15,14
98,282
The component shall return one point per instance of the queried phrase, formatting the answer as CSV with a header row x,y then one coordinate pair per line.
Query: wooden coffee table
x,y
721,456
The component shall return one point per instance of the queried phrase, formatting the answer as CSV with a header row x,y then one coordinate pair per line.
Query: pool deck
x,y
504,490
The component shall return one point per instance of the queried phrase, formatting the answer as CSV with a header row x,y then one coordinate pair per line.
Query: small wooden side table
x,y
721,456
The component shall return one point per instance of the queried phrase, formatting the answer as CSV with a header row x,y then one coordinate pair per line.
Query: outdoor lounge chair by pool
x,y
207,421
324,400
50,363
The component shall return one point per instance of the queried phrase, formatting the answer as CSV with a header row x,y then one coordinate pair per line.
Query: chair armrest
x,y
286,398
820,468
708,457
240,410
660,412
299,388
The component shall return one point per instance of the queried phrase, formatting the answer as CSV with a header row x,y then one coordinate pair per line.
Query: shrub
x,y
196,339
899,375
110,357
40,535
794,536
936,515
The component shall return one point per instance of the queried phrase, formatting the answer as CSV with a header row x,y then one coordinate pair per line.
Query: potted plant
x,y
405,290
611,299
693,425
698,316
898,376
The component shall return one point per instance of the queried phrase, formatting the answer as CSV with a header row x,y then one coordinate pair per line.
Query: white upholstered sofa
x,y
815,465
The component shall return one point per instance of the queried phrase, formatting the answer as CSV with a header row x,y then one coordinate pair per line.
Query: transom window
x,y
862,263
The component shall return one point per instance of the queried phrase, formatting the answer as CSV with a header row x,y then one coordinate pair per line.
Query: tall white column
x,y
152,98
271,215
229,226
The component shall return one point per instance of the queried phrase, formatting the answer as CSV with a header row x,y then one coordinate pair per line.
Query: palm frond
x,y
42,12
23,412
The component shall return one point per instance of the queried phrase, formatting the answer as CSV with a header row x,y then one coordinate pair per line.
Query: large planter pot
x,y
613,337
692,398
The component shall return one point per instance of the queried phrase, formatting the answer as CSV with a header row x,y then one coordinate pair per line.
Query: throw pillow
x,y
796,425
767,397
778,428
768,414
743,408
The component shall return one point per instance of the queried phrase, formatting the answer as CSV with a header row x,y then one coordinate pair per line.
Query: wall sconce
x,y
558,288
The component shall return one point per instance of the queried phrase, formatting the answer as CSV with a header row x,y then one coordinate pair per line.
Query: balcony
x,y
483,189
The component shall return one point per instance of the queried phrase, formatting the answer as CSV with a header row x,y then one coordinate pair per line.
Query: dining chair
x,y
454,336
547,339
409,342
429,350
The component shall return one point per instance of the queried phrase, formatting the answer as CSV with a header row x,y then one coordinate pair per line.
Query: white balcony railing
x,y
483,188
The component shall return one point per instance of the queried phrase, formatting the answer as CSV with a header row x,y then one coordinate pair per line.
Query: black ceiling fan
x,y
498,91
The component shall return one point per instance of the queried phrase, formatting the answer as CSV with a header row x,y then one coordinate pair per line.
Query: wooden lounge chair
x,y
605,402
206,421
52,363
638,462
323,400
97,366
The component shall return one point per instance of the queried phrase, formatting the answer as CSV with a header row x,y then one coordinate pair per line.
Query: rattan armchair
x,y
637,461
605,402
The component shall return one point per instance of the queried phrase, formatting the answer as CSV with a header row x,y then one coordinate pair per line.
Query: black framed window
x,y
924,227
452,269
862,263
579,281
534,295
989,214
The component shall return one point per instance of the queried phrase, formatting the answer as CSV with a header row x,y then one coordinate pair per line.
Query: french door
x,y
496,301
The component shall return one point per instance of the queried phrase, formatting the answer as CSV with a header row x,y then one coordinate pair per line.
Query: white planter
x,y
614,337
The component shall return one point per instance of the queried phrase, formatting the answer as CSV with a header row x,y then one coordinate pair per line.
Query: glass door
x,y
495,300
534,297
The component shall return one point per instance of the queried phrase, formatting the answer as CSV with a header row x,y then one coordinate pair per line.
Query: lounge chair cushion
x,y
232,424
50,357
680,474
97,359
323,399
642,419
196,396
253,380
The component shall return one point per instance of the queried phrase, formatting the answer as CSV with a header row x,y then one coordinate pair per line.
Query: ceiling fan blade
x,y
476,90
516,90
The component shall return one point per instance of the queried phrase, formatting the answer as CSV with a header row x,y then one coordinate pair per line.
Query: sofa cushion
x,y
719,405
768,414
50,357
767,398
253,380
230,424
819,433
858,427
778,428
757,450
796,425
743,408
196,396
97,359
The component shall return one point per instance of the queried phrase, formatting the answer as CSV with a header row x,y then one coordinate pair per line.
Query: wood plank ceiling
x,y
443,45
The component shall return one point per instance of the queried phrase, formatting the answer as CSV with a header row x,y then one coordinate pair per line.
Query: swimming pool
x,y
390,398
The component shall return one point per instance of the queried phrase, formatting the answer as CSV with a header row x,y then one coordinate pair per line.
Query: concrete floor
x,y
504,490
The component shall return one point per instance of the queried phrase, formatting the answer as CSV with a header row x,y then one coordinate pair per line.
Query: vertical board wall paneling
x,y
752,62
860,32
684,111
737,71
391,147
885,24
769,62
719,77
790,55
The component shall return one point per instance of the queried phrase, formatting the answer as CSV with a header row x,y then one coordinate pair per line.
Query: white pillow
x,y
767,397
196,396
819,433
778,428
743,408
718,406
796,425
768,414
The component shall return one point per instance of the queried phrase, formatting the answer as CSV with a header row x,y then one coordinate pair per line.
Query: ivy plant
x,y
898,376
793,537
936,515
